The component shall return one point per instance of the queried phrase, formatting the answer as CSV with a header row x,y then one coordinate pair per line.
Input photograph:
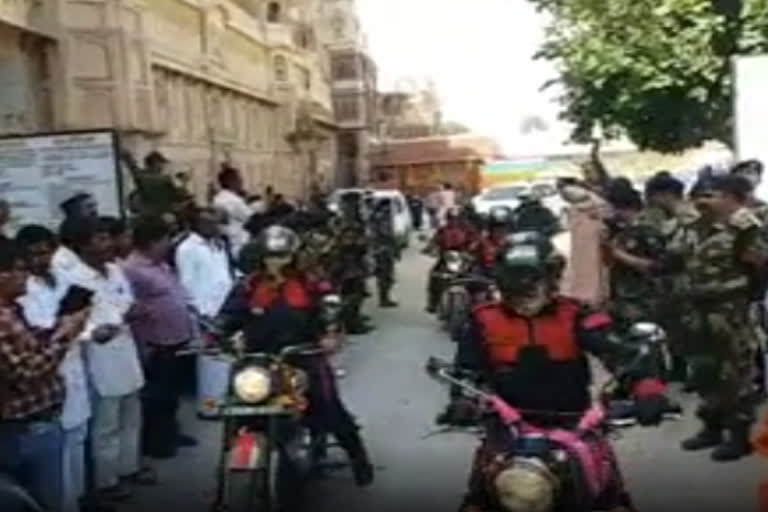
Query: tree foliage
x,y
658,71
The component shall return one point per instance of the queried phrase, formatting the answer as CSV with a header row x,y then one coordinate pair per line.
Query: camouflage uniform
x,y
721,342
758,313
348,270
634,294
157,194
385,251
671,283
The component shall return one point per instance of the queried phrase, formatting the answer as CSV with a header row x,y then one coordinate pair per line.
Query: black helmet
x,y
500,216
526,259
278,241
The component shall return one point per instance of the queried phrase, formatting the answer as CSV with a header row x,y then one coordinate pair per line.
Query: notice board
x,y
39,171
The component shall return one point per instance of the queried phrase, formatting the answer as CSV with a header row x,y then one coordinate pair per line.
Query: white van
x,y
401,214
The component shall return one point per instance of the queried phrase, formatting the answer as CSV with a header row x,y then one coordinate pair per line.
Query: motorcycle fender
x,y
247,452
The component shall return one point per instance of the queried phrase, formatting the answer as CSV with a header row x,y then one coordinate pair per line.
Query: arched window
x,y
273,12
281,68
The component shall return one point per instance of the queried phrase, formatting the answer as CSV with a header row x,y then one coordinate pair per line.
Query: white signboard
x,y
38,172
751,110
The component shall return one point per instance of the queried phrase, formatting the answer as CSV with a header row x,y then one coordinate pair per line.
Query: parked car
x,y
551,199
506,195
401,214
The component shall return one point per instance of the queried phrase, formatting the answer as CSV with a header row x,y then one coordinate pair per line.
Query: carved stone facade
x,y
354,78
204,81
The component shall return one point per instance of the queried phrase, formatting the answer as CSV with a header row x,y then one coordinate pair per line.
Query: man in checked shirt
x,y
31,391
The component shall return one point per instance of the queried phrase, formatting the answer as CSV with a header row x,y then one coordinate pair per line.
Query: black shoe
x,y
359,330
363,472
709,437
736,445
431,310
388,304
186,441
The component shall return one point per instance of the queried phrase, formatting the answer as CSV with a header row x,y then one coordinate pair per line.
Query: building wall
x,y
204,81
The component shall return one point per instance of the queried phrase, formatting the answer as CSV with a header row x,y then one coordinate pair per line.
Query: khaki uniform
x,y
720,341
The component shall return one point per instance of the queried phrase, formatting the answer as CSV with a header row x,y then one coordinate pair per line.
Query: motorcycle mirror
x,y
434,365
648,332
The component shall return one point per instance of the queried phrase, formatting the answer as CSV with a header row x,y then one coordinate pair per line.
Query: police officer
x,y
276,306
385,250
725,247
532,215
531,347
634,249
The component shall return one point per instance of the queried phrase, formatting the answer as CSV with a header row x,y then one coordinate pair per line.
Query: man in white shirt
x,y
40,305
113,364
231,200
80,206
204,265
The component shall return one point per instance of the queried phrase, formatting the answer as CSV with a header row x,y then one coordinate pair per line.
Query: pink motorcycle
x,y
537,461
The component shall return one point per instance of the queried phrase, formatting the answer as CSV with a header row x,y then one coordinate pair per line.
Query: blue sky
x,y
478,52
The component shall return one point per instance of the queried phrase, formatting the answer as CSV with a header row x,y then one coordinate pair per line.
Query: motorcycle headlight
x,y
453,266
526,485
252,384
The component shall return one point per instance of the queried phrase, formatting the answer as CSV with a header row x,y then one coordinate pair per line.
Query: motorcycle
x,y
462,294
537,461
454,302
264,434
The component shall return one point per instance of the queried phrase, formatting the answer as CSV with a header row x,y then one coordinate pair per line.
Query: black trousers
x,y
164,373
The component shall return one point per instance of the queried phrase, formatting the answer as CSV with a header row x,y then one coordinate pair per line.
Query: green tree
x,y
657,71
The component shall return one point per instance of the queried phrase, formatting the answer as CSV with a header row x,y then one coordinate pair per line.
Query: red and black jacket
x,y
274,316
537,363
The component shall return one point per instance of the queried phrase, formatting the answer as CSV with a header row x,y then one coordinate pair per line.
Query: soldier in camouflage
x,y
668,212
385,251
752,170
634,249
724,247
348,266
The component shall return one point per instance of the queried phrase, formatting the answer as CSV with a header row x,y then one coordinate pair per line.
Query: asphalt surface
x,y
395,402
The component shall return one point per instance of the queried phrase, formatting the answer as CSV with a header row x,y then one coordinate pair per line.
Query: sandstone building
x,y
203,81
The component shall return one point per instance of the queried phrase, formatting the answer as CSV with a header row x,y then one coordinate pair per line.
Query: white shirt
x,y
204,271
114,366
40,304
64,261
238,212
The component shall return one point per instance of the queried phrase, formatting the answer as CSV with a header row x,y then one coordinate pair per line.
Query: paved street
x,y
396,402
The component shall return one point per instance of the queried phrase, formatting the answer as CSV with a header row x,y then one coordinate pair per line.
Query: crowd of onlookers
x,y
92,319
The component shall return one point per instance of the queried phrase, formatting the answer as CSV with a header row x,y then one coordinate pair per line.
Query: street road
x,y
396,402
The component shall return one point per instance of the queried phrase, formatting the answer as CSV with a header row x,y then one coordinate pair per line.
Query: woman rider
x,y
276,306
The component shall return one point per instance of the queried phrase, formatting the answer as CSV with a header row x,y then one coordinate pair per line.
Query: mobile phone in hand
x,y
76,299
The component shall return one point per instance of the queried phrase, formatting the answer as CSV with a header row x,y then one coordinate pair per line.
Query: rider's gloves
x,y
650,401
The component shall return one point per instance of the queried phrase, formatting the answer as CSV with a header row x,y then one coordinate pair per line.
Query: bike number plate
x,y
252,410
